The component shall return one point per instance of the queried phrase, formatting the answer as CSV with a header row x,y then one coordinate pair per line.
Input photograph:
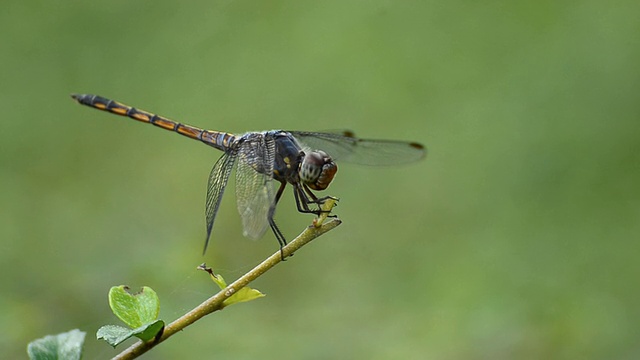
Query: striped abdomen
x,y
217,139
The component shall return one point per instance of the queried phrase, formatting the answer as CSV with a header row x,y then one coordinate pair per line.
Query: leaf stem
x,y
214,303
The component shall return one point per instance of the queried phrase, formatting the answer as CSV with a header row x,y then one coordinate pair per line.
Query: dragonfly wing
x,y
344,146
215,188
255,191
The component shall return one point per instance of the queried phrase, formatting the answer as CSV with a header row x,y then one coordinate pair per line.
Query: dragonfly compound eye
x,y
317,170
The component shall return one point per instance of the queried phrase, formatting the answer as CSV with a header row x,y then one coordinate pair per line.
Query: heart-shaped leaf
x,y
137,309
61,346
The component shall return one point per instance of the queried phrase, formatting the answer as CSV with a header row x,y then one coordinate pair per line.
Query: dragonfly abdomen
x,y
217,139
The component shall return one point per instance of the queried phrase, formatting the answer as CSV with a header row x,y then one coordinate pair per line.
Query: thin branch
x,y
214,303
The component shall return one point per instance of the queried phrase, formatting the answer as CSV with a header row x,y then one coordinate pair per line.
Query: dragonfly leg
x,y
281,240
272,223
317,200
305,197
303,200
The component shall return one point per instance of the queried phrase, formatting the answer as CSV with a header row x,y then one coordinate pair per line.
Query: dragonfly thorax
x,y
317,170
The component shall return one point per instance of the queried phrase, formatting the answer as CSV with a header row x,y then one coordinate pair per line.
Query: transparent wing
x,y
254,183
343,145
215,188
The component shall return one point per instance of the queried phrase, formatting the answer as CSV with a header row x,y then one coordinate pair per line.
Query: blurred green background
x,y
517,237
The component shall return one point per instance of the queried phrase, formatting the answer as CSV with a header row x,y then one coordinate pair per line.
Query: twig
x,y
214,303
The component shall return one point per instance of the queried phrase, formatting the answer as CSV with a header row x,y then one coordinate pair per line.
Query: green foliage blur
x,y
516,238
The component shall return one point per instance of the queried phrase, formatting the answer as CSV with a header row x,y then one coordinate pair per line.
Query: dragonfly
x,y
266,161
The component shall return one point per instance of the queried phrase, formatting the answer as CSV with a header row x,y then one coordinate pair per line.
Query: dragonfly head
x,y
317,170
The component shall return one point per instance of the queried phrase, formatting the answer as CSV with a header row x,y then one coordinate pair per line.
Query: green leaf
x,y
137,309
149,331
114,335
244,294
219,280
67,346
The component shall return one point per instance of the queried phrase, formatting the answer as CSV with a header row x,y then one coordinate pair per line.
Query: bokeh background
x,y
516,238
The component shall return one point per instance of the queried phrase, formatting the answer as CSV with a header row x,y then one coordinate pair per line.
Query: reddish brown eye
x,y
329,170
